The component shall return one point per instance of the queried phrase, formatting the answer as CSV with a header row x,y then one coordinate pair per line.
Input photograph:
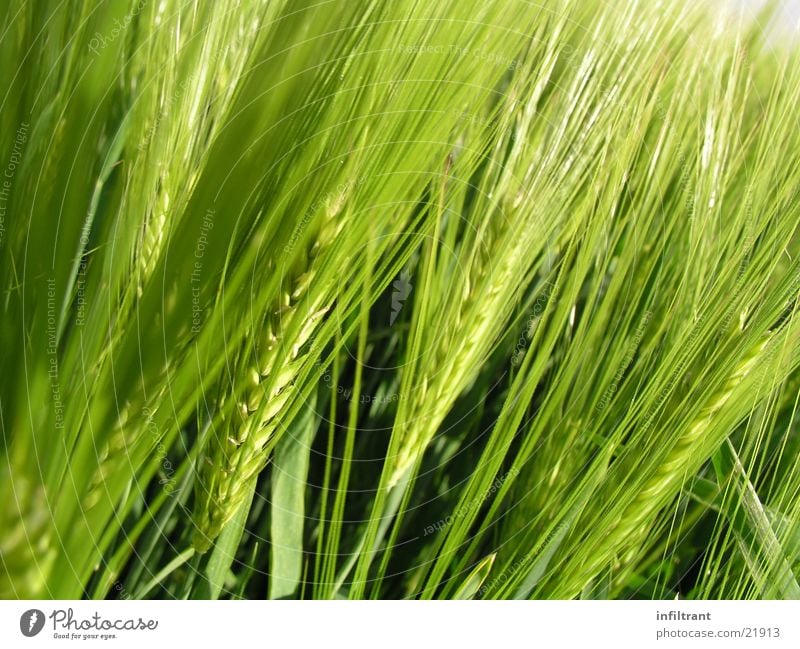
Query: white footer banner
x,y
382,624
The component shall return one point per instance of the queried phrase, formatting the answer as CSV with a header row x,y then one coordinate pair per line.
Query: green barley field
x,y
391,299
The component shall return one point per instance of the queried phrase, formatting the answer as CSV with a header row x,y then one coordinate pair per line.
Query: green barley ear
x,y
633,521
250,414
26,552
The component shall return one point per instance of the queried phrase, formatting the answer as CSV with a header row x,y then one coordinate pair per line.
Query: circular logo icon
x,y
31,622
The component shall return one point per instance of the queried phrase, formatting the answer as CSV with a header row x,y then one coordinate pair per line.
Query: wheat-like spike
x,y
26,548
152,242
474,322
632,522
484,298
114,450
250,418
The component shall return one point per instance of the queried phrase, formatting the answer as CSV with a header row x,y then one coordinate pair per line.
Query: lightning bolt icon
x,y
32,621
